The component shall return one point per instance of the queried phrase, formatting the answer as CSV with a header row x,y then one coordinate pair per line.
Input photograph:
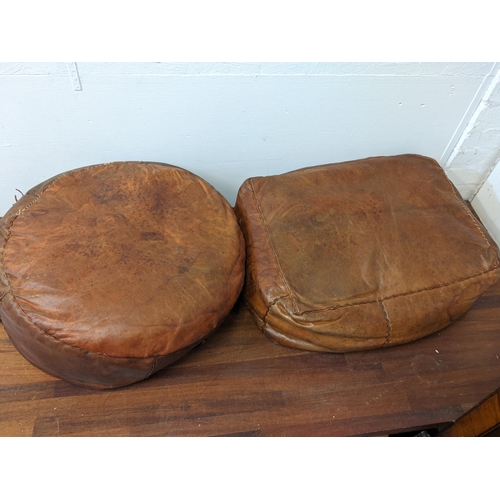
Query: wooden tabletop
x,y
239,383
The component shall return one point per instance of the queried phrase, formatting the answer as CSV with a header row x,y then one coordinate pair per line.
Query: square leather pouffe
x,y
108,273
361,254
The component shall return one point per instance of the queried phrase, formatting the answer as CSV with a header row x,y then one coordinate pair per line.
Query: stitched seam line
x,y
264,318
153,366
466,208
400,294
387,321
10,284
291,337
22,210
257,206
69,345
8,229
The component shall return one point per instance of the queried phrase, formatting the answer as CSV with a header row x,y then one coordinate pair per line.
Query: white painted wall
x,y
474,165
230,121
478,149
487,203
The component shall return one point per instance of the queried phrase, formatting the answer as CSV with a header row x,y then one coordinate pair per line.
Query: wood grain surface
x,y
238,383
482,420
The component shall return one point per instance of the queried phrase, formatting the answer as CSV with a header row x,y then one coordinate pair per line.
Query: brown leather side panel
x,y
361,254
72,364
416,315
348,329
264,282
361,327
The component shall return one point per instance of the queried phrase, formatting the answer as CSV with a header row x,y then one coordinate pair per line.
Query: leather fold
x,y
362,254
112,271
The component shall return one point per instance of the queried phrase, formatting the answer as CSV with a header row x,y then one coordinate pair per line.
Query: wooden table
x,y
238,383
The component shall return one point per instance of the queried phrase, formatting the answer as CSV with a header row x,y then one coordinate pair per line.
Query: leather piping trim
x,y
261,215
401,294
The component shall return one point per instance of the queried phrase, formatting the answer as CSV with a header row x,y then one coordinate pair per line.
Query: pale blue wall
x,y
227,121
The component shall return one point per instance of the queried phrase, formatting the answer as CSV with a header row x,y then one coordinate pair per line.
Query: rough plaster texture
x,y
478,149
487,203
230,121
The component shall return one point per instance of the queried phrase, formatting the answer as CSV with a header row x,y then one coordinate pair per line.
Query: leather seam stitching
x,y
469,213
153,366
70,345
264,318
387,322
19,213
8,229
290,337
7,238
257,206
401,294
4,246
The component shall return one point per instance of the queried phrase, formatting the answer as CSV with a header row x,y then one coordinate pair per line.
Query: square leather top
x,y
361,254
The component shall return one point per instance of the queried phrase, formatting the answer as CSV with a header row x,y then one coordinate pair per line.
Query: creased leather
x,y
362,254
121,265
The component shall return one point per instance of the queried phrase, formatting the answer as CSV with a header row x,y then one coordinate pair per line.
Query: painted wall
x,y
229,121
477,157
478,149
487,203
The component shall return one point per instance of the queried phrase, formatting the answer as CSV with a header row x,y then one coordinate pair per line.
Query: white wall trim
x,y
478,149
487,203
470,116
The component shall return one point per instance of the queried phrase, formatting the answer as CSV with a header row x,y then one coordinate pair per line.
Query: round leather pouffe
x,y
111,272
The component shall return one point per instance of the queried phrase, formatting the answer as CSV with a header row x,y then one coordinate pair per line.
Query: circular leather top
x,y
123,259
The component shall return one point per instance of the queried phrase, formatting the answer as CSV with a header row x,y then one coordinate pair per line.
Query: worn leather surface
x,y
362,254
110,272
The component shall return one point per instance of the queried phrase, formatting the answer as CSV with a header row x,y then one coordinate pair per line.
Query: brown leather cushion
x,y
111,272
362,254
